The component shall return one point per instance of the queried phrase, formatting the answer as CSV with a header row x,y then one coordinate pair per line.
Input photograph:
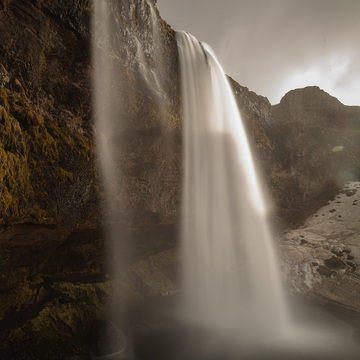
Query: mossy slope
x,y
37,161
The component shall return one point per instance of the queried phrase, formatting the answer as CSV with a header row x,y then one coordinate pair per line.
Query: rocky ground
x,y
322,258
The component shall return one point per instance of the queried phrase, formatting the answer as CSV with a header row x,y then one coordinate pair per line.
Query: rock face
x,y
51,245
307,147
46,132
47,73
316,141
143,123
52,253
257,115
321,258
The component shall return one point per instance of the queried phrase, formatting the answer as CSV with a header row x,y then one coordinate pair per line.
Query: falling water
x,y
231,280
230,274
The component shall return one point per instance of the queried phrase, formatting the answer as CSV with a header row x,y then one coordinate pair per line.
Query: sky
x,y
274,46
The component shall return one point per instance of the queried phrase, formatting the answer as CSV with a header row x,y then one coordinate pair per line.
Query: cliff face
x,y
321,258
47,152
317,149
138,53
52,263
47,110
48,177
307,147
257,115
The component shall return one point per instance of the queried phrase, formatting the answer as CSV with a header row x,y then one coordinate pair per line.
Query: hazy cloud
x,y
273,46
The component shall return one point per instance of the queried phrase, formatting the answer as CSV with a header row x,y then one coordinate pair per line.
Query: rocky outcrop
x,y
142,110
46,132
48,179
307,147
46,69
257,115
321,259
316,141
54,281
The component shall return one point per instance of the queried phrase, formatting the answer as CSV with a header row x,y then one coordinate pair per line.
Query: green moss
x,y
63,326
15,178
62,176
16,298
37,157
36,280
49,334
43,144
15,188
41,294
23,112
70,140
16,335
4,99
85,5
37,213
82,142
61,135
69,317
88,293
12,279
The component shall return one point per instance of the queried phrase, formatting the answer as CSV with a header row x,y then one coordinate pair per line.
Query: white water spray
x,y
230,274
231,280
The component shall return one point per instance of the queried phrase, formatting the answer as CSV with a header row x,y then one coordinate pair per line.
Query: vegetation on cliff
x,y
39,158
54,281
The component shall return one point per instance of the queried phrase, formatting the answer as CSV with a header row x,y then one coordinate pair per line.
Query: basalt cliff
x,y
55,284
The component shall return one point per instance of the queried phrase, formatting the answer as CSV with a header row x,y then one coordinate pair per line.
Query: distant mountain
x,y
308,146
317,149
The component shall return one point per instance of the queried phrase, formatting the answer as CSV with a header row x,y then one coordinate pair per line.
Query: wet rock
x,y
327,266
105,338
17,87
3,4
335,263
51,202
349,192
4,76
325,271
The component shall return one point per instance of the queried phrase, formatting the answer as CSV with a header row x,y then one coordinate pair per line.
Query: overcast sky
x,y
273,46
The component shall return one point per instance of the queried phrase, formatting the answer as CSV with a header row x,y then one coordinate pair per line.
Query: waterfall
x,y
230,274
230,282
